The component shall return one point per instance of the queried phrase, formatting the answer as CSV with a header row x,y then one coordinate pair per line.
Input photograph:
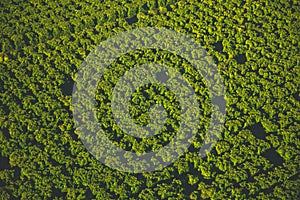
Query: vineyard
x,y
255,48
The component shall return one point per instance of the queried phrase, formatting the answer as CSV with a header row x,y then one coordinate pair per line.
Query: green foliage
x,y
255,46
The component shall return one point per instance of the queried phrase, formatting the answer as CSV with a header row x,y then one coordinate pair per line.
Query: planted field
x,y
254,45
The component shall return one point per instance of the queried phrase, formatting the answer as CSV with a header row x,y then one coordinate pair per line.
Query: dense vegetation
x,y
255,45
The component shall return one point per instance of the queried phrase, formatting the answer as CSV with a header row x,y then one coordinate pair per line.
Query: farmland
x,y
255,47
